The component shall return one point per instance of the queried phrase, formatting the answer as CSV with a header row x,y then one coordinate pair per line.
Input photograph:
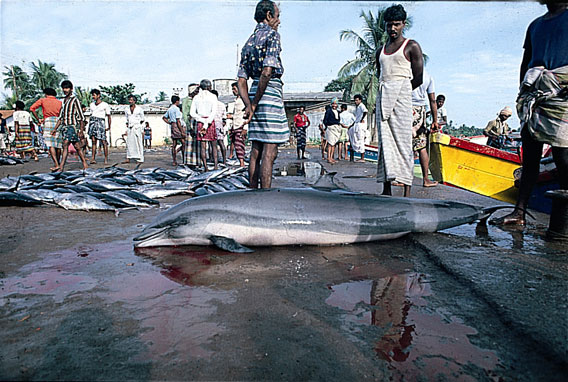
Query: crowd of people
x,y
406,91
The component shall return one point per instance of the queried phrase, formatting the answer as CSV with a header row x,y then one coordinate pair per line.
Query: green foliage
x,y
167,141
162,96
118,94
343,84
84,96
462,130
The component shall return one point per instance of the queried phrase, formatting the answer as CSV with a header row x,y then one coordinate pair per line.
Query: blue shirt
x,y
262,49
547,39
173,114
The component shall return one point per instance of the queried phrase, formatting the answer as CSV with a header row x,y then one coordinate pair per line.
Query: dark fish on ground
x,y
16,199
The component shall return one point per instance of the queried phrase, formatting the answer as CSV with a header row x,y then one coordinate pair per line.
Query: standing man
x,y
357,133
332,129
346,120
497,130
544,70
420,132
203,110
191,144
400,65
173,118
264,110
50,109
71,121
97,130
220,121
442,113
301,123
147,136
238,133
2,134
134,128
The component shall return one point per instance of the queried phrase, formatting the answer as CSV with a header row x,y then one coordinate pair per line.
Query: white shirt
x,y
136,118
346,118
420,94
441,114
359,111
22,117
101,110
204,107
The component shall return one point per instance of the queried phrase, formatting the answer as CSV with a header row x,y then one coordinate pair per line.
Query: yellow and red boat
x,y
475,167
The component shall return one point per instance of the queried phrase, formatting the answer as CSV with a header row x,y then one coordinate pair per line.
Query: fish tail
x,y
488,211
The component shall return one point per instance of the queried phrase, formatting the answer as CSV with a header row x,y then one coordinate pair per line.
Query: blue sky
x,y
475,48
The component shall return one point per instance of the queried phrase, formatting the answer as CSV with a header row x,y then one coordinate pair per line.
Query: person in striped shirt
x,y
71,123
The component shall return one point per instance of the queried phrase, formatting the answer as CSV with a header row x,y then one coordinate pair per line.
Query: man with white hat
x,y
497,129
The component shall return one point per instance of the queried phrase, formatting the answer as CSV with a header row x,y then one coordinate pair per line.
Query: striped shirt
x,y
71,113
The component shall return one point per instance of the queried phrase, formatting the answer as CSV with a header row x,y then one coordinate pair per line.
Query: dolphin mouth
x,y
143,239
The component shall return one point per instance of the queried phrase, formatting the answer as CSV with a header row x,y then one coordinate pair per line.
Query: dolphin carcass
x,y
233,220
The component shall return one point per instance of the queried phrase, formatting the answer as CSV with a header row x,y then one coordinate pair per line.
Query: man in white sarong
x,y
357,133
400,65
134,131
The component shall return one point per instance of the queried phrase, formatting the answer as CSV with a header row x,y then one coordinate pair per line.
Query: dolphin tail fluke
x,y
488,211
228,244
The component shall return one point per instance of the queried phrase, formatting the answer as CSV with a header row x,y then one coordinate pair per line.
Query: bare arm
x,y
414,52
434,111
377,62
262,83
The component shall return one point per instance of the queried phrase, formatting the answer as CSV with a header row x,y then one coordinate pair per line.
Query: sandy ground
x,y
470,303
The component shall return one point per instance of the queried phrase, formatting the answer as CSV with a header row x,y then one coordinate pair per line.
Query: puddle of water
x,y
172,314
310,170
415,344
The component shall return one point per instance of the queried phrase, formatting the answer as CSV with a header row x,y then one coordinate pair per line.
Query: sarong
x,y
301,137
50,140
357,135
332,134
239,142
191,144
394,132
343,137
24,140
269,123
135,144
219,130
419,131
2,141
208,135
69,133
539,107
177,133
97,129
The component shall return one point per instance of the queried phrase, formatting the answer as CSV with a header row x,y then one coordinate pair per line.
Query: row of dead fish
x,y
7,160
113,188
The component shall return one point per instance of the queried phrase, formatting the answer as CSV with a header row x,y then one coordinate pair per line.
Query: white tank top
x,y
395,66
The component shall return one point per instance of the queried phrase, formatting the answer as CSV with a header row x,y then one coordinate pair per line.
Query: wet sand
x,y
470,303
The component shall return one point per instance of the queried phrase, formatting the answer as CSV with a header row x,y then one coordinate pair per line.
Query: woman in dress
x,y
22,124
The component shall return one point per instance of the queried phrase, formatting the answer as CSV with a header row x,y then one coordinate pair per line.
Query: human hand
x,y
249,112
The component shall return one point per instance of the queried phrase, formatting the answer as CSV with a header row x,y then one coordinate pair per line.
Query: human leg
x,y
387,189
183,144
94,149
221,144
81,153
203,153
174,152
560,155
54,158
269,153
65,153
254,163
424,162
213,146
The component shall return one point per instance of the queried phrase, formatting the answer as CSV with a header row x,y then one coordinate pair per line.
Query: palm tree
x,y
84,96
363,66
45,75
17,80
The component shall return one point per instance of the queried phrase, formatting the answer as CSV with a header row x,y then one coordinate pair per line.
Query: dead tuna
x,y
235,219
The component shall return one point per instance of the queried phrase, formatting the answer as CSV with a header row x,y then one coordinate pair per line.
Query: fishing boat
x,y
485,170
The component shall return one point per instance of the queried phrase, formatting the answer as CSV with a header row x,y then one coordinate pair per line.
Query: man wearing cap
x,y
497,130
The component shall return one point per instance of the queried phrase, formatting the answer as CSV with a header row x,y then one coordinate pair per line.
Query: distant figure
x,y
400,65
442,113
203,110
264,104
22,123
50,109
147,136
301,123
497,130
425,93
97,129
173,118
3,134
346,120
332,129
71,122
544,71
220,120
357,134
191,144
134,127
321,126
238,133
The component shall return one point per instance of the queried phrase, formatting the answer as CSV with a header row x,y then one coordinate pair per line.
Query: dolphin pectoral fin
x,y
228,244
